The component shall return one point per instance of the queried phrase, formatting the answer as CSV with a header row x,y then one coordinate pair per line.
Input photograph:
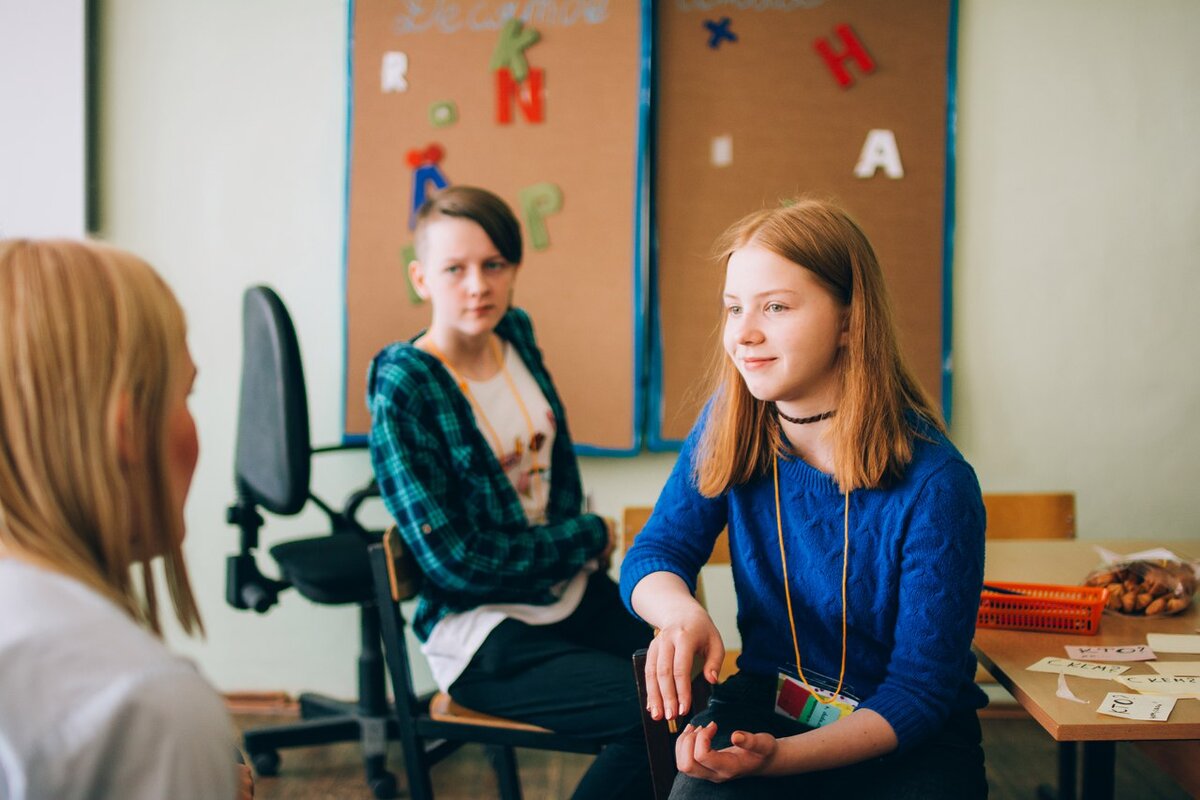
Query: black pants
x,y
947,766
575,677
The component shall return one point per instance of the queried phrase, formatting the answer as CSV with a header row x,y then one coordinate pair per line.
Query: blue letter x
x,y
720,31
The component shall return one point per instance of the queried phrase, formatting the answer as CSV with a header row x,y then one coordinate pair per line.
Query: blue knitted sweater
x,y
915,572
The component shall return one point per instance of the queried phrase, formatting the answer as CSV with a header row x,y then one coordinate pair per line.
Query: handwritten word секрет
x,y
450,16
747,5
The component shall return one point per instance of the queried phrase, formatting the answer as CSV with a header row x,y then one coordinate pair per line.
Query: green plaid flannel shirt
x,y
457,511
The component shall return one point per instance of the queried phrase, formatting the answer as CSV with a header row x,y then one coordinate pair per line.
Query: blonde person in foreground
x,y
855,534
97,457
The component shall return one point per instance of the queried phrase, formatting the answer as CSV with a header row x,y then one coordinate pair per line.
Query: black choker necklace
x,y
805,420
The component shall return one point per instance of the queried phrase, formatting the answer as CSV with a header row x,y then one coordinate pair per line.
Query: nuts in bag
x,y
1147,586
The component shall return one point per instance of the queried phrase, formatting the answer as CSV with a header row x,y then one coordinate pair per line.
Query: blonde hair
x,y
89,341
872,438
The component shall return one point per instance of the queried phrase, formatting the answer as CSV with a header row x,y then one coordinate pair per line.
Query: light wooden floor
x,y
1019,757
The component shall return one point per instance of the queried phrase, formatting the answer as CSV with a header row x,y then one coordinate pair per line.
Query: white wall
x,y
42,139
223,147
1075,273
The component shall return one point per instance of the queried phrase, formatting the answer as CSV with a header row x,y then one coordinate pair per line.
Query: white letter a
x,y
879,150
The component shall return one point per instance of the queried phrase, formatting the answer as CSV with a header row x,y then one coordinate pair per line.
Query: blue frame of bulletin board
x,y
587,290
902,54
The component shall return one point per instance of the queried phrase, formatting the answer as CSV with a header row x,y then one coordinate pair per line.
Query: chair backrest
x,y
393,571
635,517
273,460
1034,515
404,577
1045,515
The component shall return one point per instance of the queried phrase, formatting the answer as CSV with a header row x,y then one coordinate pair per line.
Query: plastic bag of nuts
x,y
1146,587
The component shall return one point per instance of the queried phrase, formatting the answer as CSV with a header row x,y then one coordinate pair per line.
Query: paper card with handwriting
x,y
1173,685
1174,642
1084,669
1177,667
1137,706
1129,652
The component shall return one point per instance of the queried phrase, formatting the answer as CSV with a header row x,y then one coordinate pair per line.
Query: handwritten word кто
x,y
451,16
1128,706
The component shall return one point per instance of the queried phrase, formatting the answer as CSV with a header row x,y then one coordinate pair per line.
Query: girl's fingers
x,y
703,743
664,677
682,671
683,748
758,743
685,760
654,700
715,657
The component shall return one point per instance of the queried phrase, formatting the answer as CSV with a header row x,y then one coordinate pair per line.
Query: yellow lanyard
x,y
479,412
787,592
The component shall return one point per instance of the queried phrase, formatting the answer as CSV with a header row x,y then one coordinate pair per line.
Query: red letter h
x,y
836,61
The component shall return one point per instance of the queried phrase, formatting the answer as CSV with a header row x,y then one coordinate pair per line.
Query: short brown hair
x,y
480,206
872,437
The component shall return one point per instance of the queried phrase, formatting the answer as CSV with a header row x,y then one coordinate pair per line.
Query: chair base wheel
x,y
384,787
266,763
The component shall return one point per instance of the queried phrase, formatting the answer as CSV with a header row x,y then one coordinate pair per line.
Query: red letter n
x,y
526,95
854,51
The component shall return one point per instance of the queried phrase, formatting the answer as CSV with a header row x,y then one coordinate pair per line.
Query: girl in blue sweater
x,y
856,532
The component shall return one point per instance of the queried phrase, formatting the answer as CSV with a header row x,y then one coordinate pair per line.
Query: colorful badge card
x,y
1135,706
794,701
1084,669
1129,652
1172,685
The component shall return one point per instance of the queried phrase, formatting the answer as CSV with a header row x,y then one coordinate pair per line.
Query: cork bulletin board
x,y
850,100
546,108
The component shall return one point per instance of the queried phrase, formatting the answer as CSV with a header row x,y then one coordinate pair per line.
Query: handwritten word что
x,y
448,16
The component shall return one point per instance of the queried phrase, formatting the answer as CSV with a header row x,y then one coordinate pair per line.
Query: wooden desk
x,y
1006,654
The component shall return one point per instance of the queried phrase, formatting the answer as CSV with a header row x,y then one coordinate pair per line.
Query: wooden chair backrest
x,y
635,518
1036,515
1030,516
403,575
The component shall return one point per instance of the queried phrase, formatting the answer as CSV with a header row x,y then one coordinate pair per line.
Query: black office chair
x,y
272,471
432,726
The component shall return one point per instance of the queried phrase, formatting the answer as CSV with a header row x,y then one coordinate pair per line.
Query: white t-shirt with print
x,y
524,455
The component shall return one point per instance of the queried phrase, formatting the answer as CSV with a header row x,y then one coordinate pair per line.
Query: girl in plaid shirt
x,y
470,445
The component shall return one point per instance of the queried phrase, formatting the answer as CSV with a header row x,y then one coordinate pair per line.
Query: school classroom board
x,y
759,102
552,105
547,109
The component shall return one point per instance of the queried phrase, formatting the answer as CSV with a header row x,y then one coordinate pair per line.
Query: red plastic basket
x,y
1042,607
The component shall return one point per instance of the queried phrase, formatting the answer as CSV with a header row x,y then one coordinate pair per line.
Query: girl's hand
x,y
747,754
669,662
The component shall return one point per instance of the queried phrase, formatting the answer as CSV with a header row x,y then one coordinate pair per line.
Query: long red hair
x,y
872,435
